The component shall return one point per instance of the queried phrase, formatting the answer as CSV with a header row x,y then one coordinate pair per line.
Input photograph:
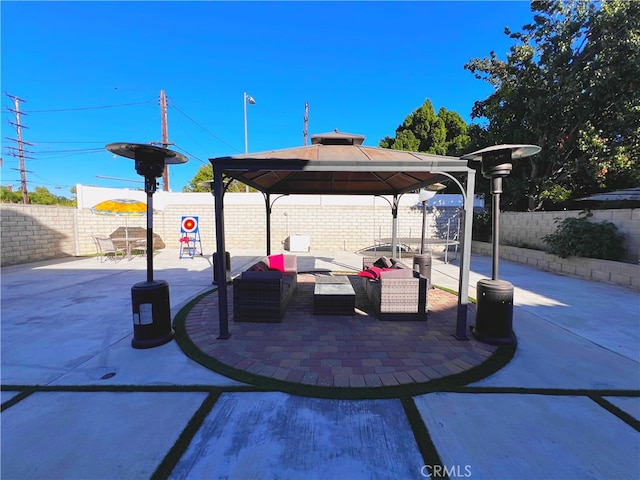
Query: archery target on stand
x,y
189,225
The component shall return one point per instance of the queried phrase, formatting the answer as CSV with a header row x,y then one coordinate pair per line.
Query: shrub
x,y
579,237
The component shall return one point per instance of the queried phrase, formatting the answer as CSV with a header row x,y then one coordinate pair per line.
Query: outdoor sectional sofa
x,y
395,290
263,291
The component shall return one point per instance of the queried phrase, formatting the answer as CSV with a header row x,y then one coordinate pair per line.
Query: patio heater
x,y
150,299
422,261
494,310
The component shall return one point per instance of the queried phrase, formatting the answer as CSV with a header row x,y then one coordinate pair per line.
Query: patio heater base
x,y
422,264
494,313
151,314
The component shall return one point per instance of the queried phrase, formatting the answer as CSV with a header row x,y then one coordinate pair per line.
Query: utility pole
x,y
165,138
306,121
19,152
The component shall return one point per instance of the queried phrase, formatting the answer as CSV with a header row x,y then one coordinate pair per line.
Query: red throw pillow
x,y
371,272
366,274
276,262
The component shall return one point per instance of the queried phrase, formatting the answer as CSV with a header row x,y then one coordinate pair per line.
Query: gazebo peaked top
x,y
337,138
338,163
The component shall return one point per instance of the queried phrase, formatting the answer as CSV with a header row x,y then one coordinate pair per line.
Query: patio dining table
x,y
130,243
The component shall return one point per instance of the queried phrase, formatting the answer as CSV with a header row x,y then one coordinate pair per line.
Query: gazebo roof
x,y
338,163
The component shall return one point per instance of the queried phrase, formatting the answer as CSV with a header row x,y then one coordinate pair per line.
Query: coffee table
x,y
333,296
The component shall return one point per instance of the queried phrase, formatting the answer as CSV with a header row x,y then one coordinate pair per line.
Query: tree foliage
x,y
205,174
424,131
570,85
7,195
39,196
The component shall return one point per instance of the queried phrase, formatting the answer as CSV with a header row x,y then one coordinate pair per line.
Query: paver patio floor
x,y
339,351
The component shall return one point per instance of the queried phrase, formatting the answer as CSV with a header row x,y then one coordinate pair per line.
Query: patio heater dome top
x,y
517,151
337,138
144,151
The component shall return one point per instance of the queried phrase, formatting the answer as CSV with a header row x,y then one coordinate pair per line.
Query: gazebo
x,y
337,163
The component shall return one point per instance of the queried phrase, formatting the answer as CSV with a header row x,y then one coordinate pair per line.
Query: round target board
x,y
189,225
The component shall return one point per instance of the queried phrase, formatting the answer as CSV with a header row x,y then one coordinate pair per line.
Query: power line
x,y
73,150
120,179
172,105
191,155
90,108
70,141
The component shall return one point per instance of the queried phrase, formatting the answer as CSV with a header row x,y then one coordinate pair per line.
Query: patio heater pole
x,y
496,190
494,308
150,187
150,299
422,261
424,224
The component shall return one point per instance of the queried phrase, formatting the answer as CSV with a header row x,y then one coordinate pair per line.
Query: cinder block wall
x,y
330,227
37,232
33,232
528,228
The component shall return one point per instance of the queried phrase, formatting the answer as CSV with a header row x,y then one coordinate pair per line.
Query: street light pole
x,y
246,98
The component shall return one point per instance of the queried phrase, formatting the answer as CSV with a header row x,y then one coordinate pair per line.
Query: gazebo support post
x,y
220,261
394,227
267,199
465,259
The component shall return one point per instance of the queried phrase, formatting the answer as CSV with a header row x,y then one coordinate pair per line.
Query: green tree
x,y
424,131
569,85
7,195
205,174
39,196
42,196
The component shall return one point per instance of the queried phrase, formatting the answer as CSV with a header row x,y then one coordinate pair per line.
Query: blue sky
x,y
91,74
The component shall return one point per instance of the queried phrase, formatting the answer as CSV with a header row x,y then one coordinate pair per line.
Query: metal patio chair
x,y
106,248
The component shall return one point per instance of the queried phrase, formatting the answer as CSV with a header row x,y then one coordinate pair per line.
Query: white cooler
x,y
298,243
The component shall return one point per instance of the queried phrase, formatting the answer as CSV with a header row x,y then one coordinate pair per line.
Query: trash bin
x,y
228,271
151,314
422,264
494,312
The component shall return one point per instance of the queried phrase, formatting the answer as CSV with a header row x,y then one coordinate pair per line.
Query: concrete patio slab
x,y
630,405
92,435
122,365
530,436
297,437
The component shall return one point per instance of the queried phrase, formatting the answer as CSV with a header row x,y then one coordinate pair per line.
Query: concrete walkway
x,y
80,403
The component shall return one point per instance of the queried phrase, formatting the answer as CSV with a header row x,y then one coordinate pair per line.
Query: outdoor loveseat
x,y
263,291
394,290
